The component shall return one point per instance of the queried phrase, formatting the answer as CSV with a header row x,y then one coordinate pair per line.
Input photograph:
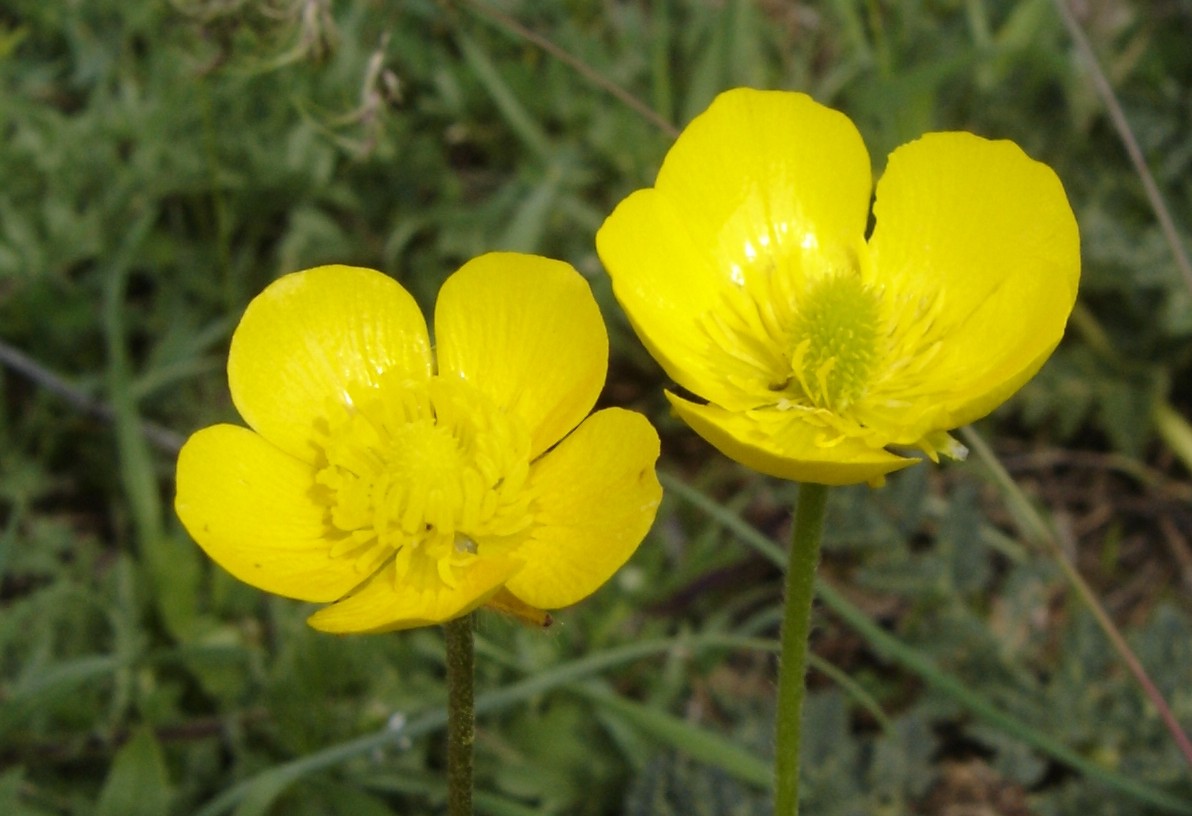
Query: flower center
x,y
428,474
834,340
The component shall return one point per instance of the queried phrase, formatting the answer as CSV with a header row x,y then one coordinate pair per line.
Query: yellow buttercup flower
x,y
817,354
408,486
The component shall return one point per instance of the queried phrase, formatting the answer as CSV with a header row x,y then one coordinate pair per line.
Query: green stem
x,y
796,629
461,715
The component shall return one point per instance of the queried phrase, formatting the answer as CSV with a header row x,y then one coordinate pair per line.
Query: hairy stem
x,y
461,715
796,629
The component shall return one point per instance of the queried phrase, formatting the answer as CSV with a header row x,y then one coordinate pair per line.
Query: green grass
x,y
161,163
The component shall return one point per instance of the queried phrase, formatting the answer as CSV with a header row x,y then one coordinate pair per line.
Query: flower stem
x,y
461,715
796,629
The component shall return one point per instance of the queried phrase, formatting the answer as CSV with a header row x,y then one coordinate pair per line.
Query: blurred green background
x,y
160,163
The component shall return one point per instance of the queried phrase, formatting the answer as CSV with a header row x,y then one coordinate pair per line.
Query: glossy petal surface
x,y
595,497
248,505
527,332
985,236
817,355
757,194
779,445
310,337
384,605
408,496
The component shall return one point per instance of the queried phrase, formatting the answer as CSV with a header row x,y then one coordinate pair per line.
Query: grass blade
x,y
253,796
918,663
699,743
515,114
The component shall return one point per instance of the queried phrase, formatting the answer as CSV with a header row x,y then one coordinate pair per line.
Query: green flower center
x,y
834,341
430,474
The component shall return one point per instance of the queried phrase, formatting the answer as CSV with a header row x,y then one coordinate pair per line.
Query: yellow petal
x,y
596,496
763,185
779,444
506,603
526,331
309,337
249,506
383,605
983,236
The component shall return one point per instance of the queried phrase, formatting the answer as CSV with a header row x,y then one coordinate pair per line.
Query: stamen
x,y
420,474
835,340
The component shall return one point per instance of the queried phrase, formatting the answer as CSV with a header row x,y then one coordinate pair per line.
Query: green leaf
x,y
889,646
138,783
12,782
36,693
697,742
515,114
